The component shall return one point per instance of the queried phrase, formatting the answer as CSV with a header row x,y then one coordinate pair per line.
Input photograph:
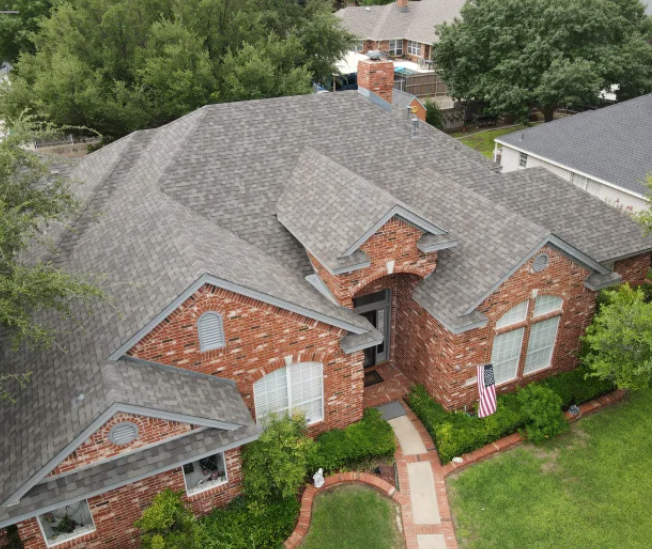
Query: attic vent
x,y
540,263
211,331
123,433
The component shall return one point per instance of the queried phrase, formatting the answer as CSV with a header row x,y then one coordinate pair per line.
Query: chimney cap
x,y
375,55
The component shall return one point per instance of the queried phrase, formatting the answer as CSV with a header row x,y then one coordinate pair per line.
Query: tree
x,y
620,339
168,524
433,115
32,199
645,217
276,464
518,54
122,65
16,29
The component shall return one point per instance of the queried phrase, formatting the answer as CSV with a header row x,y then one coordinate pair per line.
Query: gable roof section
x,y
333,211
388,22
401,101
611,144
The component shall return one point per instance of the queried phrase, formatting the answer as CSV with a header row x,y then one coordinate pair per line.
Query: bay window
x,y
295,387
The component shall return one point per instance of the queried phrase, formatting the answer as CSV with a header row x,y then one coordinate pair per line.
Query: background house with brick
x,y
258,262
606,152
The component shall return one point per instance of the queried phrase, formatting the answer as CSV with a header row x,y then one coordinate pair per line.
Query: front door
x,y
376,309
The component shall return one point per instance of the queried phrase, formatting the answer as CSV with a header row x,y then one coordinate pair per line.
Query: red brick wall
x,y
259,339
377,76
445,363
395,241
634,270
98,447
421,110
115,512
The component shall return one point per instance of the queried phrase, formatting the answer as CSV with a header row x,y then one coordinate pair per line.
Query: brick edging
x,y
516,439
305,514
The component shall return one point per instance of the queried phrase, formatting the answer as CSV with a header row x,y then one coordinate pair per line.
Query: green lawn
x,y
353,517
484,142
589,489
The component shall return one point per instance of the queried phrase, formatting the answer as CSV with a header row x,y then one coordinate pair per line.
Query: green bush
x,y
370,437
276,464
433,115
168,524
577,387
542,408
247,524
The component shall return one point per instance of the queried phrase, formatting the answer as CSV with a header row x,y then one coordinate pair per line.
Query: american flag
x,y
487,390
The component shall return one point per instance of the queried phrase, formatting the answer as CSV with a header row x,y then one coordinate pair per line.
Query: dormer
x,y
354,231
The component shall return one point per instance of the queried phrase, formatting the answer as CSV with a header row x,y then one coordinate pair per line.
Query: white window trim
x,y
292,405
524,319
552,353
398,44
551,311
87,530
410,47
522,160
205,488
359,46
518,363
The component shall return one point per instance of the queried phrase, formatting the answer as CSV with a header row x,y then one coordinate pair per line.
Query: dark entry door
x,y
376,309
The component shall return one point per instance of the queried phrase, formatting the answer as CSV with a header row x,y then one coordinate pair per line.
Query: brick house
x,y
401,28
264,256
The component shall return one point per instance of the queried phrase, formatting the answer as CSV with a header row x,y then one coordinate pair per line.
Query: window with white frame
x,y
358,46
506,354
414,48
541,345
522,160
211,331
66,523
295,387
395,47
546,304
205,473
516,314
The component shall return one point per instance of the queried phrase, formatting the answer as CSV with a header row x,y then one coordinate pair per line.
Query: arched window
x,y
508,344
295,387
211,331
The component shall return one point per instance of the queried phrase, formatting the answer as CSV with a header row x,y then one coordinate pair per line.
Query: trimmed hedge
x,y
368,438
457,433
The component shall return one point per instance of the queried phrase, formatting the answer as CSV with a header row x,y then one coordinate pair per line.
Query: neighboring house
x,y
260,256
401,28
606,152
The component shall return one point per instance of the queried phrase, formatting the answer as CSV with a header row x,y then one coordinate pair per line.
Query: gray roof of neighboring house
x,y
199,197
612,144
388,22
648,6
329,209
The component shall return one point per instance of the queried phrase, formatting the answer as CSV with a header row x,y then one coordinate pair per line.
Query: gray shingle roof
x,y
388,22
400,102
199,196
612,144
328,208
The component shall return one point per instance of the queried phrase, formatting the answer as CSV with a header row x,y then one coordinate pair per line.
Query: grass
x,y
353,517
484,142
591,488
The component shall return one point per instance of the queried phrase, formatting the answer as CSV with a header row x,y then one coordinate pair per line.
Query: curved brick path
x,y
438,533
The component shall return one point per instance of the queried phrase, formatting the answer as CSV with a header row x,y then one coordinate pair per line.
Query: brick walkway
x,y
393,387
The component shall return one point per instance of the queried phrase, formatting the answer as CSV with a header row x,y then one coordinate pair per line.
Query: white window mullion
x,y
543,337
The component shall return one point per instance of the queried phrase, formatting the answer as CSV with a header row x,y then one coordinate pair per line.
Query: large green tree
x,y
32,199
518,54
16,29
121,65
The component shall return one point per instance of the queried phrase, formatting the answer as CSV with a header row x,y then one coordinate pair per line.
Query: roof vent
x,y
415,127
367,8
123,433
540,263
211,331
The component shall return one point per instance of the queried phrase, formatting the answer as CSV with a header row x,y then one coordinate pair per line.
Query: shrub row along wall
x,y
456,433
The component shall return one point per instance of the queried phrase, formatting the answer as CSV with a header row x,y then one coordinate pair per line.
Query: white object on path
x,y
458,460
319,478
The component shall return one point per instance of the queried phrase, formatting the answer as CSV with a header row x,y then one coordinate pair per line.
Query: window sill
x,y
528,374
206,487
73,536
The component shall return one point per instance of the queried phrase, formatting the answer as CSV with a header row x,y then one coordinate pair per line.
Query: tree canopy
x,y
518,54
122,65
619,340
16,29
32,199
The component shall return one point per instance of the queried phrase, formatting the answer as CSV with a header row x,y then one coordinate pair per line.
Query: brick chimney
x,y
377,76
403,5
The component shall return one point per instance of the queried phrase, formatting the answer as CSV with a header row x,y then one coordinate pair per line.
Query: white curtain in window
x,y
297,387
515,315
541,344
546,304
505,355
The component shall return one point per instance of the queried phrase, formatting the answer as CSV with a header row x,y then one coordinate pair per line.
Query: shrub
x,y
246,524
433,115
168,524
542,408
577,386
276,464
370,437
